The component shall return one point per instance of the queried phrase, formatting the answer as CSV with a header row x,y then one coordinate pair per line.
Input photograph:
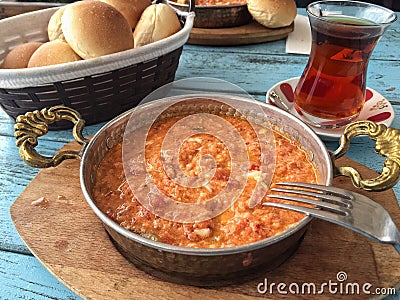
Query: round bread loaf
x,y
273,13
54,30
130,9
95,28
18,57
157,22
53,53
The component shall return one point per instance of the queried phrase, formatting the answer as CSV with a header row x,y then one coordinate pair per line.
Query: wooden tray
x,y
251,33
69,240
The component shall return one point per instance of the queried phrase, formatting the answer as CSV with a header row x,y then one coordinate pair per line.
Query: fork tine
x,y
321,214
332,207
321,196
323,189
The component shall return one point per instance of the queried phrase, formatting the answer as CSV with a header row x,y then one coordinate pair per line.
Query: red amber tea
x,y
331,90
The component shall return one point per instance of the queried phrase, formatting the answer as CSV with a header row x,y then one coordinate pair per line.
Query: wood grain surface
x,y
69,240
251,33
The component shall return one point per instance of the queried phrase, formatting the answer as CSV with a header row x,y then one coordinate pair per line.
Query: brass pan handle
x,y
387,145
34,124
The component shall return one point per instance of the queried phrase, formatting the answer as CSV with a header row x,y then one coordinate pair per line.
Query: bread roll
x,y
18,57
273,13
130,9
157,22
53,53
95,28
54,30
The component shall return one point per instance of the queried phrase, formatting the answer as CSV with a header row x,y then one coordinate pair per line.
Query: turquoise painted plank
x,y
23,277
14,177
384,50
257,73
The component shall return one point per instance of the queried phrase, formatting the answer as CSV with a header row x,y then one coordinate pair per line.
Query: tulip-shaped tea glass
x,y
331,90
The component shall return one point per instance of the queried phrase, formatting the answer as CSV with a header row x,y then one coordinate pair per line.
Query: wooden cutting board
x,y
69,240
251,33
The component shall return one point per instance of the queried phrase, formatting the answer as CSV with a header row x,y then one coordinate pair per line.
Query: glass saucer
x,y
376,108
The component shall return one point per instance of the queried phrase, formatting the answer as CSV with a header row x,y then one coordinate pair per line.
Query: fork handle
x,y
397,247
387,145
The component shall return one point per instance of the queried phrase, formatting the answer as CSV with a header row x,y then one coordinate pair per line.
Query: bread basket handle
x,y
387,144
192,4
32,125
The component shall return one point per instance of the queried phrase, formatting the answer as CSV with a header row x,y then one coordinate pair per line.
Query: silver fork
x,y
346,208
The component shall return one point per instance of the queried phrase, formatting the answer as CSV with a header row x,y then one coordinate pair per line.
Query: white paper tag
x,y
299,40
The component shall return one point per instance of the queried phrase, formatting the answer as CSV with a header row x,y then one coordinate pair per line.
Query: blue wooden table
x,y
254,68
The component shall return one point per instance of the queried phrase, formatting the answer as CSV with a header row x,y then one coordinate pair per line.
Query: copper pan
x,y
217,16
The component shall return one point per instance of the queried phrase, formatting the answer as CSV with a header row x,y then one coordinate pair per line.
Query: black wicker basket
x,y
99,89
